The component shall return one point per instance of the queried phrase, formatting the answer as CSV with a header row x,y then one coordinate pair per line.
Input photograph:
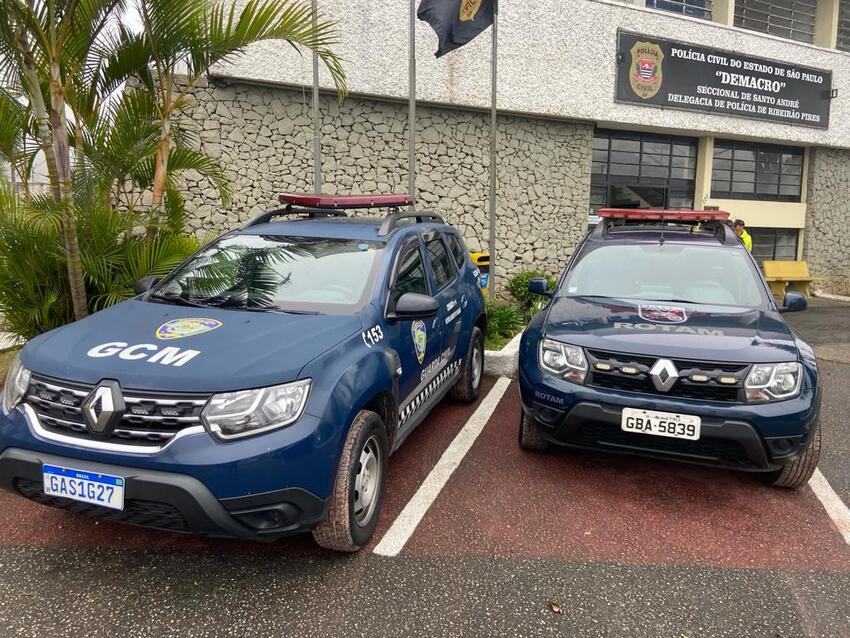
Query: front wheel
x,y
358,488
530,437
467,386
796,473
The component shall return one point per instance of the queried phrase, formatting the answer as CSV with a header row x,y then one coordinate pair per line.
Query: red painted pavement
x,y
575,505
25,523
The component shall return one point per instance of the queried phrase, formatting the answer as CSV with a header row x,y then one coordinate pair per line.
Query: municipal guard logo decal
x,y
189,327
420,339
645,76
662,314
468,9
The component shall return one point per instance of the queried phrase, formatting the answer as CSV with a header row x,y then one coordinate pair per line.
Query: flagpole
x,y
492,241
411,112
317,133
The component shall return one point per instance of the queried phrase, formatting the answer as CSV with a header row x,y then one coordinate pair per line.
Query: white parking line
x,y
832,503
405,524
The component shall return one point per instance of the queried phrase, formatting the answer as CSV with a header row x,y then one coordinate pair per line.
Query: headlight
x,y
563,360
17,382
773,381
232,415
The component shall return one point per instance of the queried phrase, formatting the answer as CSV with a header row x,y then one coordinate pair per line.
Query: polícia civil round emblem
x,y
188,327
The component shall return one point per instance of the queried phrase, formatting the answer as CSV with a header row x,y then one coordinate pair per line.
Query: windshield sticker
x,y
420,339
662,314
706,332
148,352
188,327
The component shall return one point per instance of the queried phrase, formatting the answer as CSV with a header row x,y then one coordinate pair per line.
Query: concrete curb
x,y
504,362
829,295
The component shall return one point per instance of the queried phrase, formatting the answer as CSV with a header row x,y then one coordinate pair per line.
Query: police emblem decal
x,y
662,314
468,10
420,339
188,327
645,74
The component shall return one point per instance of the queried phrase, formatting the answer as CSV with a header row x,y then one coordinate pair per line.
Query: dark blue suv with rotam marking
x,y
662,339
258,389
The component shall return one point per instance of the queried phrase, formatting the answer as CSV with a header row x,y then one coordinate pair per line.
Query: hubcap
x,y
367,482
477,366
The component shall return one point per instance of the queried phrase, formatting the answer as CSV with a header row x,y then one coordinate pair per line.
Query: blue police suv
x,y
662,339
259,388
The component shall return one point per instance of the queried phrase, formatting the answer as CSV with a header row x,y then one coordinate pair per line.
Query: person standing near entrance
x,y
740,229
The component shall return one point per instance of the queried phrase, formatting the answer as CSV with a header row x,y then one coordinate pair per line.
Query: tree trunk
x,y
62,155
159,177
42,123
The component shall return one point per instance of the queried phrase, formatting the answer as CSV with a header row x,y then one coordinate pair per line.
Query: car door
x,y
444,280
417,342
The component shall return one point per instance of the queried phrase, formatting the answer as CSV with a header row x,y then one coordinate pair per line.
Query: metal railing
x,y
843,42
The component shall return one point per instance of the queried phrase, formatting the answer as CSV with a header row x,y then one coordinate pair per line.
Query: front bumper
x,y
258,488
751,437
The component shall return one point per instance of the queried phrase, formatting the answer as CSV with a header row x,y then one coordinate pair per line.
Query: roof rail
x,y
391,221
264,218
345,201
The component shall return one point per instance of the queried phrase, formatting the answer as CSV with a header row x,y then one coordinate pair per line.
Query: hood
x,y
675,330
152,346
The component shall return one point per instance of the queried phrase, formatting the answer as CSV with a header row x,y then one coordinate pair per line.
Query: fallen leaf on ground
x,y
555,607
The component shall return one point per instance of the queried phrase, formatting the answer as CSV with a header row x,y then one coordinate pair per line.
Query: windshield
x,y
665,272
292,274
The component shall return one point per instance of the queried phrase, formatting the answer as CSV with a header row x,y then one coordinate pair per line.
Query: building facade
x,y
738,104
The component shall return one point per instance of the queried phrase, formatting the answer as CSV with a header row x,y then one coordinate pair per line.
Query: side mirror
x,y
145,283
794,302
412,305
539,286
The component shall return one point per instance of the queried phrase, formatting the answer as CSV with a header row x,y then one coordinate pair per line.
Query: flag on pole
x,y
456,22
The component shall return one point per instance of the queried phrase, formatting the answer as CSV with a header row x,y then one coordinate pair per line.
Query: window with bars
x,y
774,243
742,170
694,8
652,170
792,19
843,25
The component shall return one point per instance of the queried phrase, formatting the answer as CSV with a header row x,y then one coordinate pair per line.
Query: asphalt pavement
x,y
620,546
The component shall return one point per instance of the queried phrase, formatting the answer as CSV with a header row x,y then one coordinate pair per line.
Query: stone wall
x,y
826,240
262,135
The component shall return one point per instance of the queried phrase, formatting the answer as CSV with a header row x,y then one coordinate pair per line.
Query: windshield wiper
x,y
177,300
672,301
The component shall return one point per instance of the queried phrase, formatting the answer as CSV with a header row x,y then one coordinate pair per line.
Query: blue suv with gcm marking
x,y
662,339
259,388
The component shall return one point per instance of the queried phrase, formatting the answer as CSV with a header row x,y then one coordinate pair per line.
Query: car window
x,y
458,250
665,272
441,263
259,272
411,275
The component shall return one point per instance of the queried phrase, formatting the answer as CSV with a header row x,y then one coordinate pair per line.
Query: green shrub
x,y
503,319
518,287
34,292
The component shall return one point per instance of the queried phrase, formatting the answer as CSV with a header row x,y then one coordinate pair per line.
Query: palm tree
x,y
186,38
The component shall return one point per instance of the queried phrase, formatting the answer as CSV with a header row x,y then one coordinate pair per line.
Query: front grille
x,y
706,450
684,388
150,418
135,512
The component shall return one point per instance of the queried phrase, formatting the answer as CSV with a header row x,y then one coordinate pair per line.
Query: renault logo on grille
x,y
103,408
663,375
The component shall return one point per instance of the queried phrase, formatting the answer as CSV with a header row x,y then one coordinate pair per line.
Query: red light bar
x,y
658,214
345,201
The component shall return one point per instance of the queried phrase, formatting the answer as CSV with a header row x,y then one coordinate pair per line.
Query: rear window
x,y
440,263
458,250
665,272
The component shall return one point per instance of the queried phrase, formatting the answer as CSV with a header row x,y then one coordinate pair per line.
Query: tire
x,y
351,522
796,473
530,437
469,383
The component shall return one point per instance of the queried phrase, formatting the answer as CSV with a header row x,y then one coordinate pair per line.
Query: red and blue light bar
x,y
342,202
659,214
